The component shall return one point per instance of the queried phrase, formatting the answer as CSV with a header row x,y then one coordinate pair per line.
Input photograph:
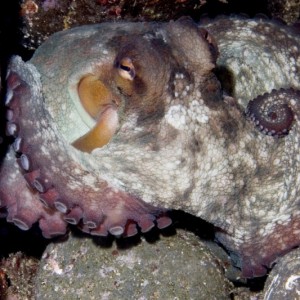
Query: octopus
x,y
116,124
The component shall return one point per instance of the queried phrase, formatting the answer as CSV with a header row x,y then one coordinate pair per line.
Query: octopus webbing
x,y
115,124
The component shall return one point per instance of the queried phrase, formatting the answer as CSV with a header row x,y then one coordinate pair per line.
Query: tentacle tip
x,y
273,113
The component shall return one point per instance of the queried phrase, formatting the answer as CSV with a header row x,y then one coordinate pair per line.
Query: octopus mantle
x,y
117,123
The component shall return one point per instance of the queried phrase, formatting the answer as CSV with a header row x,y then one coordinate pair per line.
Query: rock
x,y
287,10
42,18
284,280
17,273
176,267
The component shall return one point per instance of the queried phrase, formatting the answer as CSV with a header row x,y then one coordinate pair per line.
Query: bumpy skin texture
x,y
176,140
260,59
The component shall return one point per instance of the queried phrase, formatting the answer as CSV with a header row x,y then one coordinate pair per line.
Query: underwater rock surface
x,y
179,266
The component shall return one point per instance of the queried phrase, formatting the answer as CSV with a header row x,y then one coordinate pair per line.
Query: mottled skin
x,y
256,56
177,140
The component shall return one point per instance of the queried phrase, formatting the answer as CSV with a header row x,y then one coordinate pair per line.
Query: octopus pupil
x,y
273,115
125,68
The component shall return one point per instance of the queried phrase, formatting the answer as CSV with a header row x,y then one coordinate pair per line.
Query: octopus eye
x,y
126,69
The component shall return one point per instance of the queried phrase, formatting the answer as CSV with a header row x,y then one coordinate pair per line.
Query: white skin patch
x,y
180,117
176,116
198,112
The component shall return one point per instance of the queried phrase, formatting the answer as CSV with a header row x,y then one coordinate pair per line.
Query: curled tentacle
x,y
273,112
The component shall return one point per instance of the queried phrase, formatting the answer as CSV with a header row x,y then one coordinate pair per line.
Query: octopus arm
x,y
71,190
